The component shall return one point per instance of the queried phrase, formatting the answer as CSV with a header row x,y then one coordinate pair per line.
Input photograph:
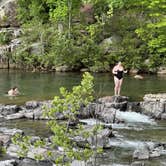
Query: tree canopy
x,y
93,34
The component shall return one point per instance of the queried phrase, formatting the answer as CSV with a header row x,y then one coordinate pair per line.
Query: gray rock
x,y
32,104
18,115
155,153
13,150
31,162
11,162
8,109
163,116
8,13
88,111
5,139
29,115
12,132
63,68
138,163
117,102
153,109
133,106
107,115
33,152
38,114
142,153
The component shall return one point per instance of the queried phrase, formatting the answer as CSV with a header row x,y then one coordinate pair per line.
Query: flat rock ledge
x,y
105,108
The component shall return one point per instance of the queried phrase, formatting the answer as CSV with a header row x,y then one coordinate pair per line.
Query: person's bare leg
x,y
119,87
116,82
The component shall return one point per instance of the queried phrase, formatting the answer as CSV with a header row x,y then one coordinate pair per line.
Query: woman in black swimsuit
x,y
118,71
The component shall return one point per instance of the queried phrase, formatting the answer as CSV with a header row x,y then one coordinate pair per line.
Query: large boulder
x,y
8,13
154,105
106,108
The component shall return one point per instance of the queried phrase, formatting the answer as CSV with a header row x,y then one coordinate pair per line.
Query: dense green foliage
x,y
69,104
92,34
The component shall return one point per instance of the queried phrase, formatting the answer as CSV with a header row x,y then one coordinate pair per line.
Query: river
x,y
43,86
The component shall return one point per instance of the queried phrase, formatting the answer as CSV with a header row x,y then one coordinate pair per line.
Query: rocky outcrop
x,y
154,105
106,108
162,70
8,109
12,42
8,13
149,150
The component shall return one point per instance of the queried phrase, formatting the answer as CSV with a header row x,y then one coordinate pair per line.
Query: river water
x,y
43,86
136,130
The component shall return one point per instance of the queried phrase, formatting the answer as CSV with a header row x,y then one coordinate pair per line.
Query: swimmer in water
x,y
13,92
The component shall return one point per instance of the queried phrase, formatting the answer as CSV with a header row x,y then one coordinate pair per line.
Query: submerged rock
x,y
141,152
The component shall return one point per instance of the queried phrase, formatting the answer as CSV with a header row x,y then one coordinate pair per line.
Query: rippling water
x,y
43,86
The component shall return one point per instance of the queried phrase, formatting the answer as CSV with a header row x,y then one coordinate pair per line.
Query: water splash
x,y
134,117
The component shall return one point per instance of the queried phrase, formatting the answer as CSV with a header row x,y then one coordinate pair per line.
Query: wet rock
x,y
11,162
155,153
107,115
81,142
8,109
4,138
117,102
33,152
141,152
13,150
162,70
154,105
63,68
133,106
38,114
32,104
163,116
18,115
29,115
31,162
99,138
88,111
138,163
12,132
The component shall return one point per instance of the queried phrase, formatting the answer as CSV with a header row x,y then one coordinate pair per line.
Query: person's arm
x,y
125,71
114,70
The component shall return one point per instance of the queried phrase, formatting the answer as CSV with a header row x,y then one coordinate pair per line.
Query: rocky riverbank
x,y
108,111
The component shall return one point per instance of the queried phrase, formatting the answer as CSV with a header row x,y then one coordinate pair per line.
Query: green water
x,y
43,86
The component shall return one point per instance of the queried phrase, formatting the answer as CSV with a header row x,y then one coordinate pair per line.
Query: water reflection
x,y
43,86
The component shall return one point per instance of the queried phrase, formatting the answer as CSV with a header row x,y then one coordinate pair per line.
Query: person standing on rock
x,y
118,71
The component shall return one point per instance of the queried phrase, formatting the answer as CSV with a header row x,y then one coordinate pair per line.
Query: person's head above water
x,y
14,88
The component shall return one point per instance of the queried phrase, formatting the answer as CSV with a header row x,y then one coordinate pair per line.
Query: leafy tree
x,y
69,103
153,32
32,9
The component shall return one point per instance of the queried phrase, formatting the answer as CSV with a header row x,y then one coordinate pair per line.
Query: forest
x,y
91,35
